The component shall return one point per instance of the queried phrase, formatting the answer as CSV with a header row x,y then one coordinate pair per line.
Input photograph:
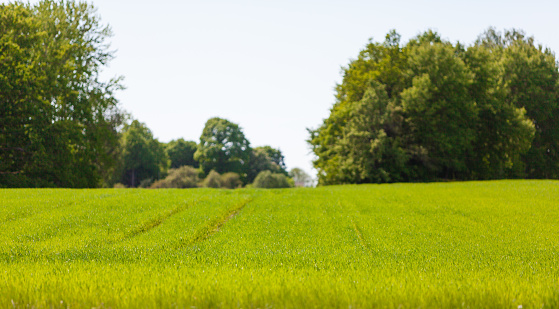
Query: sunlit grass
x,y
474,244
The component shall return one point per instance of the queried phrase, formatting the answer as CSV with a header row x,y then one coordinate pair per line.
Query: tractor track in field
x,y
214,225
356,228
155,222
359,235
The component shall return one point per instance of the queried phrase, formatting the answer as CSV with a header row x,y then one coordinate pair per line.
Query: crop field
x,y
471,245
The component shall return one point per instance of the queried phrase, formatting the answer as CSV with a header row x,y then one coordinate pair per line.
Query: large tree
x,y
432,110
224,148
59,119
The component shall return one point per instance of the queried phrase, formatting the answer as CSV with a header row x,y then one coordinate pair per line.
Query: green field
x,y
473,245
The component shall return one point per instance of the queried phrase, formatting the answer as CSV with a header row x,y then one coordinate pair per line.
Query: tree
x,y
223,148
143,157
369,148
265,158
440,113
300,177
181,153
432,110
60,120
385,63
504,132
531,78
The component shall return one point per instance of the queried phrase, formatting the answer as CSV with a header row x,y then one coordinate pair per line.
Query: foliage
x,y
223,148
59,120
230,181
181,153
143,157
443,245
213,180
432,110
182,177
268,180
300,178
266,158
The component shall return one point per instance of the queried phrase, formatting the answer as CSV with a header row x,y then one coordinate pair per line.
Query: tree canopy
x,y
181,153
59,120
431,110
223,148
143,157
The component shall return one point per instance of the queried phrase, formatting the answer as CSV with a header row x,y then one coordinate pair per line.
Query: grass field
x,y
471,245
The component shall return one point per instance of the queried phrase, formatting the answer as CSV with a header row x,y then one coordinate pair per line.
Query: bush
x,y
213,180
231,181
118,185
182,177
267,179
146,183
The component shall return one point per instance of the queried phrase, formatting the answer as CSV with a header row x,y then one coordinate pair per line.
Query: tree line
x,y
431,110
61,125
222,158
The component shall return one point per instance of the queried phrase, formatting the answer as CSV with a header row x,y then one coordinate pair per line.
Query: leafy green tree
x,y
223,148
181,153
20,94
265,158
369,148
440,112
60,120
504,132
433,110
531,77
143,157
385,63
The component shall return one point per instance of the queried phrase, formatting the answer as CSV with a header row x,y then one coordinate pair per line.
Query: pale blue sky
x,y
271,66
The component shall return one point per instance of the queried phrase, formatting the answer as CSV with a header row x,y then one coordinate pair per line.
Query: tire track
x,y
214,225
359,235
155,222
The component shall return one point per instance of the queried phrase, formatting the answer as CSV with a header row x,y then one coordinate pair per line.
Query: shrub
x,y
213,180
231,181
182,177
146,183
118,185
267,179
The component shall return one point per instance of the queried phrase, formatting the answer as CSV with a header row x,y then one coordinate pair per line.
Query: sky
x,y
271,66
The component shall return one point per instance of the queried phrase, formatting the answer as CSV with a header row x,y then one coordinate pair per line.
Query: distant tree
x,y
267,179
143,156
300,177
265,158
181,153
223,148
